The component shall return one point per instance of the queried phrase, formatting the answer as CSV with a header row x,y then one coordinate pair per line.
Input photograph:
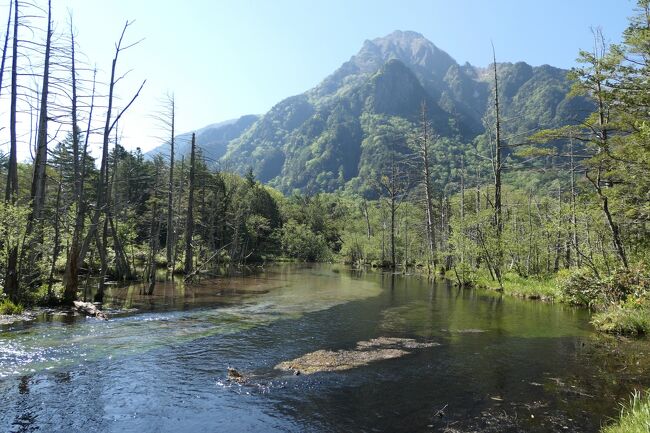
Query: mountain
x,y
341,133
212,139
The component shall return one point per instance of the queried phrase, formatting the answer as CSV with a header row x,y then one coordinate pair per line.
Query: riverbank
x,y
619,303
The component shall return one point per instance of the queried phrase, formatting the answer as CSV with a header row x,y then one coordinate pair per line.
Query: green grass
x,y
516,285
634,418
623,320
8,307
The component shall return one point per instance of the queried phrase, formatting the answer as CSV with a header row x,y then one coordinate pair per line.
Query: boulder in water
x,y
90,309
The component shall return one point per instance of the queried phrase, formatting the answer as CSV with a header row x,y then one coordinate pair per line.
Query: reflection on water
x,y
502,364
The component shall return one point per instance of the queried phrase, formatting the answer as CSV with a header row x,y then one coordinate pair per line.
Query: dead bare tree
x,y
102,184
423,144
189,224
393,186
11,193
6,43
497,168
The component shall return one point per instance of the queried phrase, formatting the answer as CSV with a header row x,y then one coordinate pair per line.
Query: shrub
x,y
8,307
584,288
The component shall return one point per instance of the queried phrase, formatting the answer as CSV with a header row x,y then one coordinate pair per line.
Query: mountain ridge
x,y
318,140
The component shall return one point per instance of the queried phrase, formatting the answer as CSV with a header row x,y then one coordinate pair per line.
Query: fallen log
x,y
90,309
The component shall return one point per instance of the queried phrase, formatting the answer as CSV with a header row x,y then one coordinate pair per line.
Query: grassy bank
x,y
530,288
623,320
634,417
620,301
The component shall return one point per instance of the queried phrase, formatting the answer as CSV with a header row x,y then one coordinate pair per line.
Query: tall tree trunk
x,y
425,138
57,238
170,193
364,209
611,224
154,233
498,217
40,161
462,215
189,225
11,193
603,136
178,206
71,274
39,178
6,43
102,183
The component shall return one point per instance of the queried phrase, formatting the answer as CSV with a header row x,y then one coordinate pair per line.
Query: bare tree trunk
x,y
73,263
393,210
189,225
11,193
170,193
425,138
613,227
574,221
57,238
6,43
498,217
364,209
462,214
406,240
40,162
102,184
121,262
558,242
154,234
39,178
180,194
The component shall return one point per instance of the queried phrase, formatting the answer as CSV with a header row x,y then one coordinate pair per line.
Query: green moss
x,y
634,418
8,307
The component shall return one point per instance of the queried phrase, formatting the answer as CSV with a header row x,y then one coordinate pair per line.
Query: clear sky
x,y
226,58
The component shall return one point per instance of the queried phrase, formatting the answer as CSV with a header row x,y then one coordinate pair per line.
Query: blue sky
x,y
226,58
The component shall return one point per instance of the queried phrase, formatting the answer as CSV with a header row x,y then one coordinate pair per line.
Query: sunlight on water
x,y
45,346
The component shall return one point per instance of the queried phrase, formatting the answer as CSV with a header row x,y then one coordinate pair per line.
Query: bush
x,y
584,288
8,307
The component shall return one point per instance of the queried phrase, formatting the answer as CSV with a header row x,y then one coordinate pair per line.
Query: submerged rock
x,y
10,319
235,376
464,331
365,352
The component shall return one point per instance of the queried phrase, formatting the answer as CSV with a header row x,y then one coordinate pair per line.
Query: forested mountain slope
x,y
340,133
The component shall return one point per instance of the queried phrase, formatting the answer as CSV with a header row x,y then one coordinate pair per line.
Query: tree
x,y
170,192
393,187
6,42
102,184
497,167
189,224
423,143
11,193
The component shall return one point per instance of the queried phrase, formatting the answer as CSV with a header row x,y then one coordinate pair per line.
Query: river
x,y
159,364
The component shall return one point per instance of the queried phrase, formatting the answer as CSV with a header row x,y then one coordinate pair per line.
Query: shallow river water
x,y
159,365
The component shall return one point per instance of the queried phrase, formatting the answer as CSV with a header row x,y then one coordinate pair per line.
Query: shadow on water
x,y
503,365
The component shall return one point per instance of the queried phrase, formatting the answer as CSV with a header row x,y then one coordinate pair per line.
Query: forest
x,y
566,208
558,215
